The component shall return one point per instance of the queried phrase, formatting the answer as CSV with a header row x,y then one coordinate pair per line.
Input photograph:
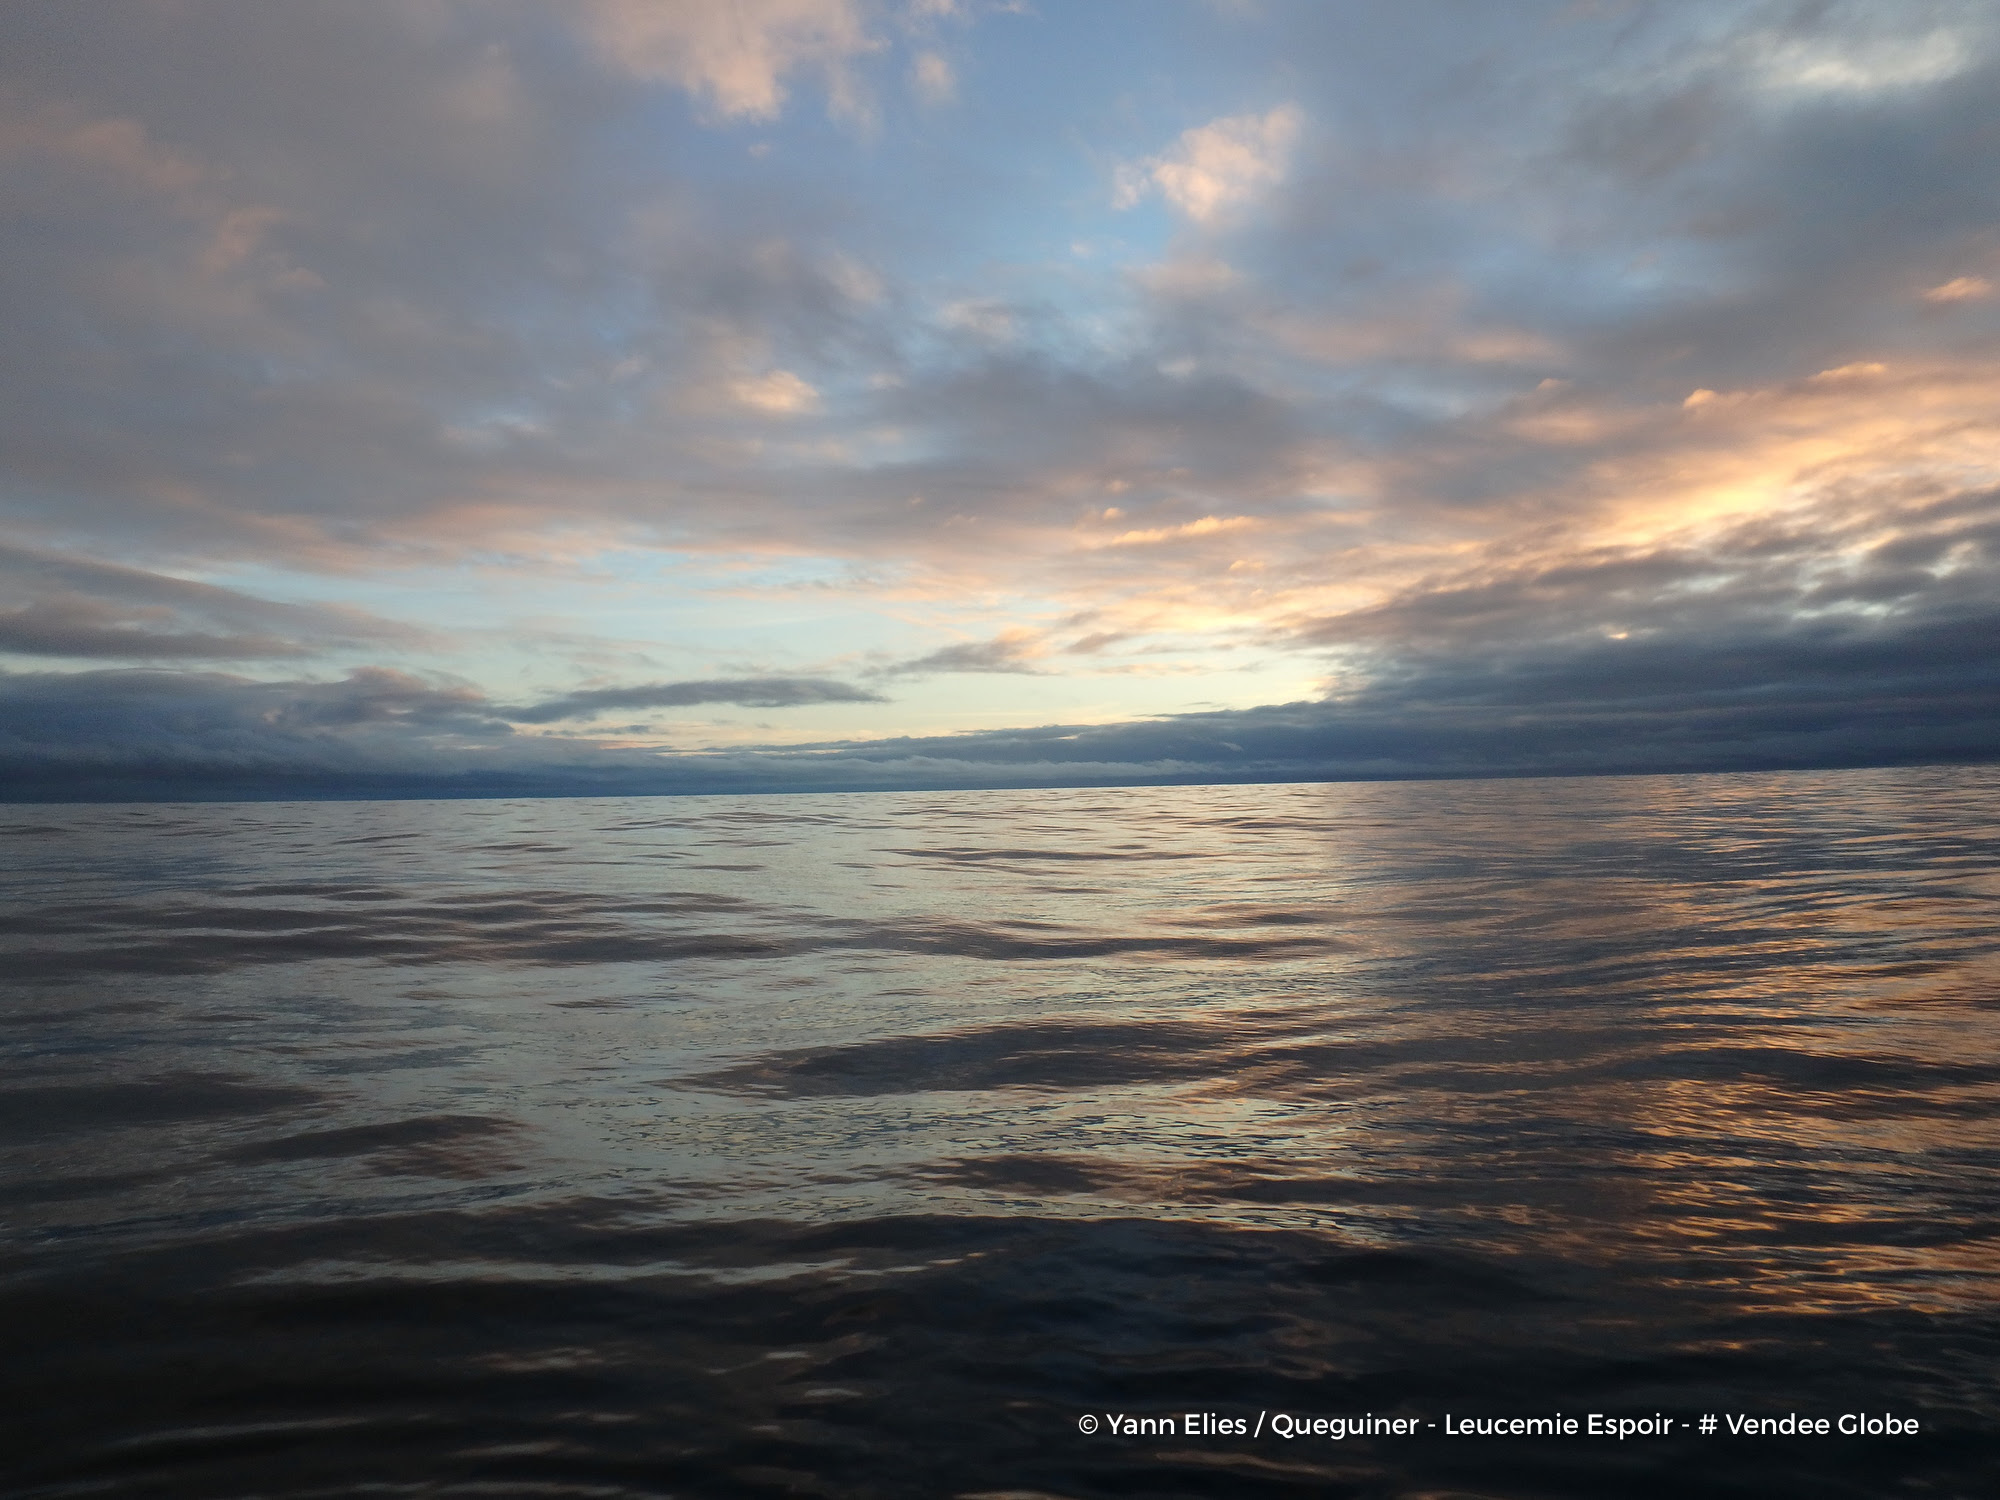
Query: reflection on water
x,y
857,1145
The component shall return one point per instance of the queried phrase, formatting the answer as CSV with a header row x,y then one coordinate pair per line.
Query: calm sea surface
x,y
878,1145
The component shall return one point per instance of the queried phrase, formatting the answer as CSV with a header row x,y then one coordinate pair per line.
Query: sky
x,y
418,397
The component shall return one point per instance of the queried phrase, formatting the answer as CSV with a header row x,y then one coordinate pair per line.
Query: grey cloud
x,y
1858,567
748,692
305,274
429,285
1632,185
399,272
70,625
429,245
1004,653
1206,428
194,728
1817,694
347,302
371,696
77,607
144,722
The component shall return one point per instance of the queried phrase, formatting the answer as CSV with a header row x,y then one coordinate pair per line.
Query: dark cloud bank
x,y
1810,695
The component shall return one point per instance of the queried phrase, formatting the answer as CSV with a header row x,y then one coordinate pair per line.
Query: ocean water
x,y
884,1144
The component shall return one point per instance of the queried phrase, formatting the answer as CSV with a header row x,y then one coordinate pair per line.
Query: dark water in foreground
x,y
863,1145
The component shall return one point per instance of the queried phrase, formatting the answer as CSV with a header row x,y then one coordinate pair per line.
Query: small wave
x,y
41,1110
433,1145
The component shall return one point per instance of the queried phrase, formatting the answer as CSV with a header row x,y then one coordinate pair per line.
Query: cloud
x,y
780,391
77,607
1207,526
734,56
1216,167
1860,65
135,722
1961,289
71,729
118,148
749,692
1010,651
931,75
1838,570
71,625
